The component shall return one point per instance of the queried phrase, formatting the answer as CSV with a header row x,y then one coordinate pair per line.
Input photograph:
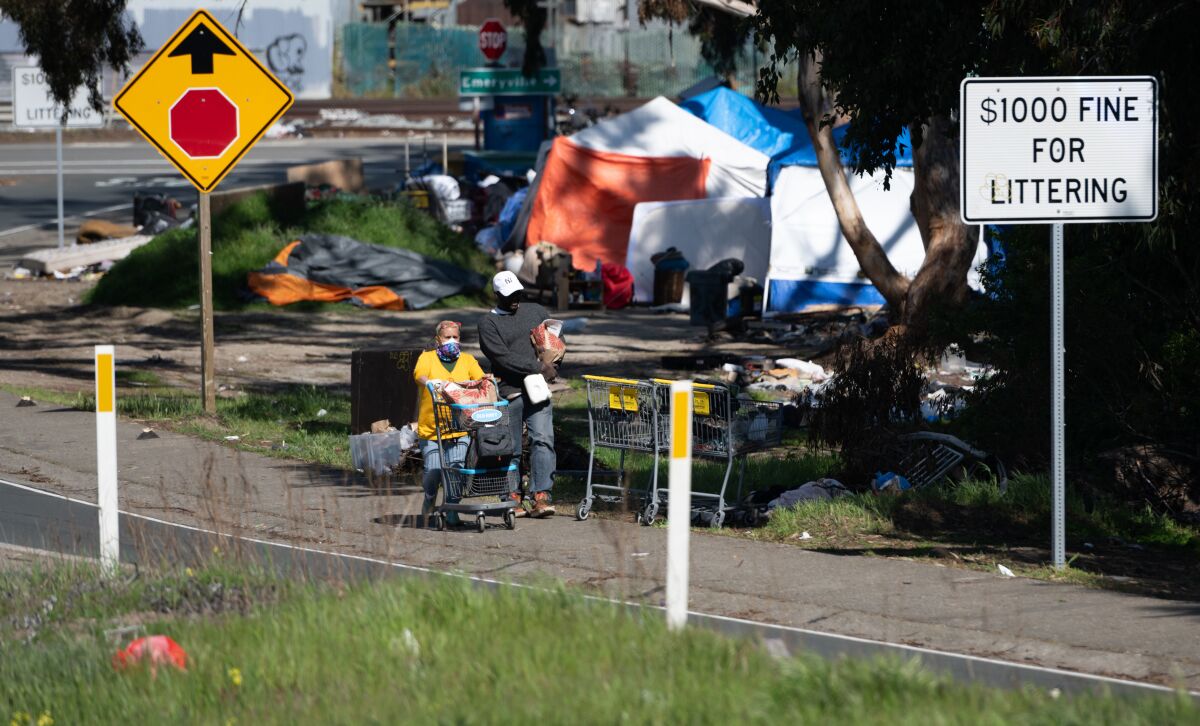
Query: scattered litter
x,y
807,368
242,359
26,401
1088,545
804,535
889,483
410,642
147,433
1005,571
321,413
233,438
640,554
1055,693
282,445
155,650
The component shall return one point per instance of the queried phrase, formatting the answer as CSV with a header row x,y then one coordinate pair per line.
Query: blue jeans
x,y
542,459
453,452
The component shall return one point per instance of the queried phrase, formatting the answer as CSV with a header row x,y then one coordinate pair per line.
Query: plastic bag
x,y
467,392
546,343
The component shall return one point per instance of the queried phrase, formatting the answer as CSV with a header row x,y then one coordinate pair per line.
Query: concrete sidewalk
x,y
204,484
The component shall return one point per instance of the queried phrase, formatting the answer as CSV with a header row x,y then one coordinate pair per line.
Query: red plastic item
x,y
618,285
155,650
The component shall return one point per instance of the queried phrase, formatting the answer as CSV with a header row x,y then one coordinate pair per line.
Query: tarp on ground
x,y
585,198
811,262
332,268
780,135
661,128
706,231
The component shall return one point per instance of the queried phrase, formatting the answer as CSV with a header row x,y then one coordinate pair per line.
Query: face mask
x,y
448,351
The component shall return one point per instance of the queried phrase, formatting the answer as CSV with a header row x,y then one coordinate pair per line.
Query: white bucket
x,y
536,388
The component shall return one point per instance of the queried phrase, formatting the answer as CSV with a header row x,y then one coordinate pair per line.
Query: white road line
x,y
92,213
911,649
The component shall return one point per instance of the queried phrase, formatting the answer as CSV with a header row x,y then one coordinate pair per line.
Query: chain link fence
x,y
594,62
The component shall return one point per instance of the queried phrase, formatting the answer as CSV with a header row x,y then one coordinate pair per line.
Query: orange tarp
x,y
585,198
280,288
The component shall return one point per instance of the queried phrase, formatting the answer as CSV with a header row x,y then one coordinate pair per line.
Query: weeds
x,y
442,651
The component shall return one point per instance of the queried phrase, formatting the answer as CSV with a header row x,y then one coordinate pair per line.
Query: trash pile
x,y
99,243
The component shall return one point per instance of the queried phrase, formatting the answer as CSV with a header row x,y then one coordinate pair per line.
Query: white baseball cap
x,y
506,283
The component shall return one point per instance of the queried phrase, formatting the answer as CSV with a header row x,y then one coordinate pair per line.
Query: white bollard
x,y
679,504
106,456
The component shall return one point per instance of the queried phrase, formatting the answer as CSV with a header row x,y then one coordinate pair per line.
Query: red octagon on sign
x,y
204,123
492,39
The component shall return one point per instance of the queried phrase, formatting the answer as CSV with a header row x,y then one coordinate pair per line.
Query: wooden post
x,y
208,386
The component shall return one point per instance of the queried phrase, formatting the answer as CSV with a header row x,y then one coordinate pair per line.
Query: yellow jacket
x,y
429,366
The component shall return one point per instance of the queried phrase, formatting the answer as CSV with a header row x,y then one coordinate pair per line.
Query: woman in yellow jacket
x,y
445,362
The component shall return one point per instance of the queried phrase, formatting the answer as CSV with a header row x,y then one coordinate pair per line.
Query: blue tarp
x,y
779,134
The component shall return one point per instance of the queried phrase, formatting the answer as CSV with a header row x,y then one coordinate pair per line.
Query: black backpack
x,y
491,447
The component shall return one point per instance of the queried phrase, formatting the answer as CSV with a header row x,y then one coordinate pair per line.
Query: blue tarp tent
x,y
779,134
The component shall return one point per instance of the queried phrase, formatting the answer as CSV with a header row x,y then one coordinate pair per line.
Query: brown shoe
x,y
519,510
541,506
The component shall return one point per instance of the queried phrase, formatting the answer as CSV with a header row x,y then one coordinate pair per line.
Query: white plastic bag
x,y
536,388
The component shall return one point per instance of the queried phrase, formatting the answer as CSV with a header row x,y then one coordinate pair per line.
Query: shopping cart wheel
x,y
717,519
510,519
649,512
584,510
439,521
479,523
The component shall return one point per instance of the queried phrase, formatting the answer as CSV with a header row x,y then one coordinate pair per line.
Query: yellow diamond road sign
x,y
203,100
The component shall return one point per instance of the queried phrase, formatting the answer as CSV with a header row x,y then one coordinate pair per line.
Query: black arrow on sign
x,y
201,44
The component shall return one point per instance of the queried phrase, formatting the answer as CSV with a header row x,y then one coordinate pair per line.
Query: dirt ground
x,y
46,339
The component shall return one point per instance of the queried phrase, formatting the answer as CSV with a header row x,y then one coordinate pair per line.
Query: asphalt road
x,y
105,175
45,521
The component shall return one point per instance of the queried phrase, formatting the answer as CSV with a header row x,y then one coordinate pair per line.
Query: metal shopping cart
x,y
621,415
725,427
488,488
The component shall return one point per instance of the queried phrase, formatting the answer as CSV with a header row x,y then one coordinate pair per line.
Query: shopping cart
x,y
725,427
621,416
487,488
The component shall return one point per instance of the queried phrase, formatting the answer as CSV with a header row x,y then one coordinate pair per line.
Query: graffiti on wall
x,y
285,56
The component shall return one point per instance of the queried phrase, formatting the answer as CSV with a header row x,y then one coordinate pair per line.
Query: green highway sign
x,y
508,81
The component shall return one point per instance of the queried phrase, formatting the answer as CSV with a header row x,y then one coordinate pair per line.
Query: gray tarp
x,y
347,263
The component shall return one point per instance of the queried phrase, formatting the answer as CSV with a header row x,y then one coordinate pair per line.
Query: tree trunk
x,y
949,244
814,105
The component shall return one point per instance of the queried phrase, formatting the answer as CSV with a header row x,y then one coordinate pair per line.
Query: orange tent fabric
x,y
585,198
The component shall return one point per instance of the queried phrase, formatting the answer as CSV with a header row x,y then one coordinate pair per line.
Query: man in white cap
x,y
504,337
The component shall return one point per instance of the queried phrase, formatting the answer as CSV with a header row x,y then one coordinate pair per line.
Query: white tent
x,y
811,262
706,231
661,128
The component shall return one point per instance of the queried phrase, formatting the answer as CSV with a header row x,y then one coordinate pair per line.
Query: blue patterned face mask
x,y
449,351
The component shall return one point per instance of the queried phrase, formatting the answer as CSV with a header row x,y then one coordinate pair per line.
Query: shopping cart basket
x,y
621,416
725,427
488,489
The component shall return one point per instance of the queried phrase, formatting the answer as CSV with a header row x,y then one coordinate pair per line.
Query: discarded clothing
x,y
331,268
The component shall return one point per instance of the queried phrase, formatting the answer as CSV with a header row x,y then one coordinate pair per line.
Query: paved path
x,y
205,484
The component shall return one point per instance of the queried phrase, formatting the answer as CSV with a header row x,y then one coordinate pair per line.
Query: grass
x,y
263,420
424,651
246,237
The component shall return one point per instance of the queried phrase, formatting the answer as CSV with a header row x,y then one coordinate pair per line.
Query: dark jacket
x,y
504,339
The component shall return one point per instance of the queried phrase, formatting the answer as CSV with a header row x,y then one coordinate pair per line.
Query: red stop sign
x,y
493,39
203,123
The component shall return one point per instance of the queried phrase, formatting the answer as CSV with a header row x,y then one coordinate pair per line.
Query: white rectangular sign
x,y
33,108
1058,150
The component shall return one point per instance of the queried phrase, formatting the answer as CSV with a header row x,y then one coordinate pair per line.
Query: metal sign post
x,y
58,159
1054,151
1058,402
